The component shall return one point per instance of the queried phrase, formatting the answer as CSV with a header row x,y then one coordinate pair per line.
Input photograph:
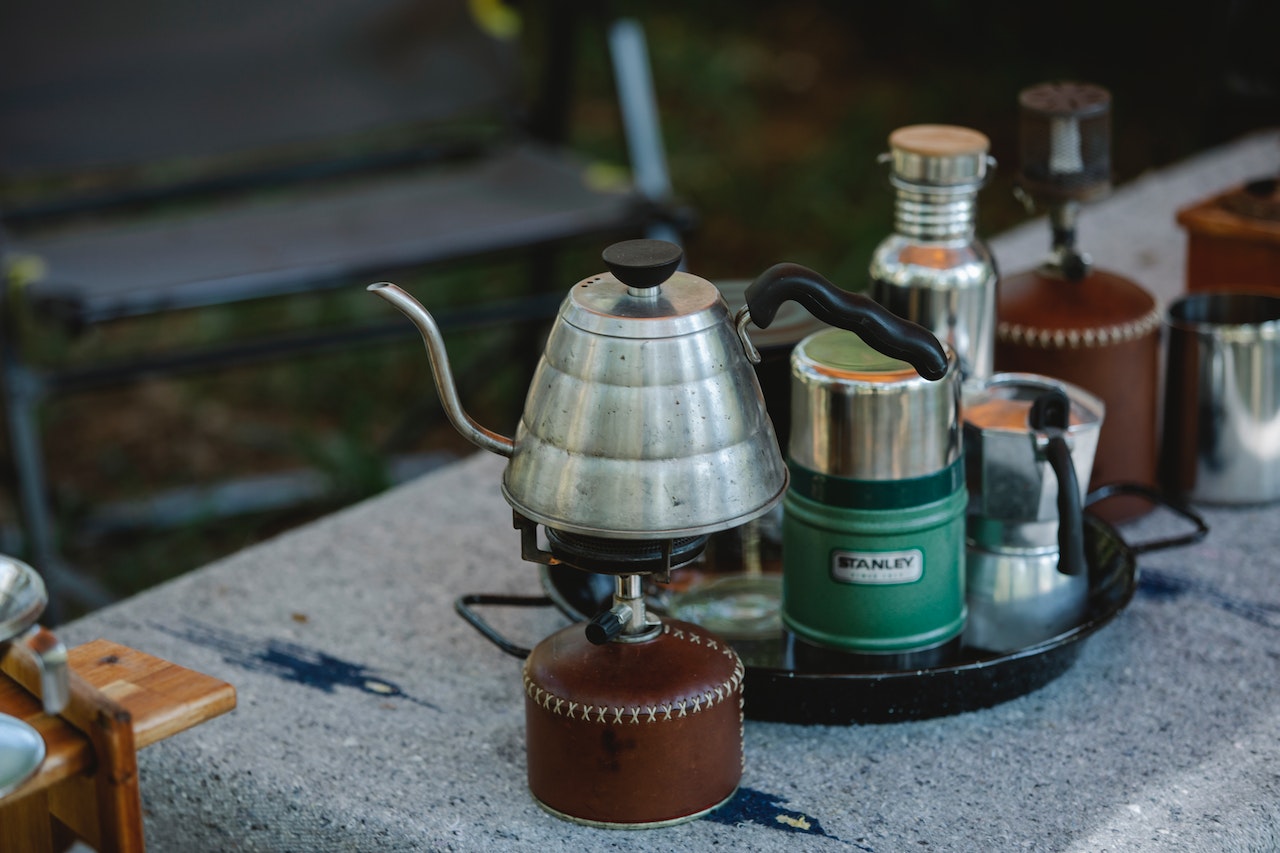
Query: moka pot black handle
x,y
1050,415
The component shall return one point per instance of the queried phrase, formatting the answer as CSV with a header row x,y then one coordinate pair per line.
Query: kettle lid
x,y
644,295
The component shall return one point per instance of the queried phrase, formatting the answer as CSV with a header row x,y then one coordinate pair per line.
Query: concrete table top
x,y
371,717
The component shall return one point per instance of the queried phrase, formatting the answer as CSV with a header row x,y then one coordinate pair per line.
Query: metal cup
x,y
1221,434
22,600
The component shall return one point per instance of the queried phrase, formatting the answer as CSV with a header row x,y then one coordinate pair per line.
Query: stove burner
x,y
622,556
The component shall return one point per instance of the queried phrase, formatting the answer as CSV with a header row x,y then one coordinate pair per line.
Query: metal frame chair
x,y
276,95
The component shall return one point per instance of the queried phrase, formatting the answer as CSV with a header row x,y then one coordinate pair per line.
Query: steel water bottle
x,y
933,269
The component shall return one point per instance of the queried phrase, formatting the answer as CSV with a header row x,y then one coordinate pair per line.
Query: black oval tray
x,y
978,680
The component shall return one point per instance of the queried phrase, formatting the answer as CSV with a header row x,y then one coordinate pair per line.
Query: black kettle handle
x,y
1050,414
878,326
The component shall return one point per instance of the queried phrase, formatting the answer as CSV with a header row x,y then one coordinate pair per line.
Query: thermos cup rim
x,y
841,355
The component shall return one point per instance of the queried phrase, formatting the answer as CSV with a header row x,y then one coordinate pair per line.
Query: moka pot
x,y
1029,446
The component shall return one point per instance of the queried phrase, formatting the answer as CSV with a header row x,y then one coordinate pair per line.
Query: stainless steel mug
x,y
1221,434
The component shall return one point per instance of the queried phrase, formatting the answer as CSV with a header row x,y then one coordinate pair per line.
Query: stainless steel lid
x,y
862,415
682,305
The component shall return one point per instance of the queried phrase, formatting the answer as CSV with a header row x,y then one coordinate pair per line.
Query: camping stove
x,y
633,720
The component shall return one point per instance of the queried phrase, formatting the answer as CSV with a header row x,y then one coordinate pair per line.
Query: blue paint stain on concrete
x,y
289,661
1163,586
758,807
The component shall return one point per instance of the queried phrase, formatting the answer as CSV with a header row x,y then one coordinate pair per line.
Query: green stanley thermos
x,y
873,520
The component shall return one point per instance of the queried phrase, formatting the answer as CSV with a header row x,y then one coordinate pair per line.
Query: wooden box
x,y
1233,238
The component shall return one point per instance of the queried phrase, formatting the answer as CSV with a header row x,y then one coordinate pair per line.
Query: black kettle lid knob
x,y
643,263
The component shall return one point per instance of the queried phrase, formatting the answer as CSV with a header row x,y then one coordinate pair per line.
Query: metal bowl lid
x,y
22,597
22,751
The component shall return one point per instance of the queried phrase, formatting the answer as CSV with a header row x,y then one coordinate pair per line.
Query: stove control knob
x,y
608,624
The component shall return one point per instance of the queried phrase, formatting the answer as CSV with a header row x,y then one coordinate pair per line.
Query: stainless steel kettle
x,y
644,419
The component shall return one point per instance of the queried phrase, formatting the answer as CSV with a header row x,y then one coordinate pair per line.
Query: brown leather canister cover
x,y
1101,333
634,733
1233,238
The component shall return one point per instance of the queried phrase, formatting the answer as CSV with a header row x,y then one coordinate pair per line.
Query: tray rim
x,y
1058,653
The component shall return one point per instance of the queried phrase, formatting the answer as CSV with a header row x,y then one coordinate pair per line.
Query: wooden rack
x,y
87,788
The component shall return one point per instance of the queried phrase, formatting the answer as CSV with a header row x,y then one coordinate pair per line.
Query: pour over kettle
x,y
644,419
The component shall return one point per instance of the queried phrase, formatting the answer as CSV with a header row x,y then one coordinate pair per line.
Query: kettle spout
x,y
470,430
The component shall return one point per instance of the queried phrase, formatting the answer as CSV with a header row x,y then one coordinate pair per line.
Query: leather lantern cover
x,y
1101,333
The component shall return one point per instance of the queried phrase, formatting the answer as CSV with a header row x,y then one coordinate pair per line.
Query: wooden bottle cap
x,y
939,154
